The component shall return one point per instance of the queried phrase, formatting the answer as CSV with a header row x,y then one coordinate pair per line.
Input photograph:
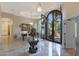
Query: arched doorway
x,y
54,26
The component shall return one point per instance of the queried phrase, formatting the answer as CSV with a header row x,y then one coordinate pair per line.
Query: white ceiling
x,y
27,9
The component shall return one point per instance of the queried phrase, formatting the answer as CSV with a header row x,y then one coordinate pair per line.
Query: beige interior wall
x,y
70,9
17,20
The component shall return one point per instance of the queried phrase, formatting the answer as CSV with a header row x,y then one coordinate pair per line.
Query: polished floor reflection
x,y
18,47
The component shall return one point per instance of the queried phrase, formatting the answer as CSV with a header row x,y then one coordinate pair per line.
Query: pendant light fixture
x,y
39,9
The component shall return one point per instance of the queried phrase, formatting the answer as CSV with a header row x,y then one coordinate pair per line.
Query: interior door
x,y
4,28
5,33
69,34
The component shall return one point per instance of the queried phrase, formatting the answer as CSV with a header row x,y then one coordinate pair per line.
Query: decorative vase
x,y
33,45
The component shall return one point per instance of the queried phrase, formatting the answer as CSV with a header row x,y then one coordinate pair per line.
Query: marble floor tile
x,y
20,48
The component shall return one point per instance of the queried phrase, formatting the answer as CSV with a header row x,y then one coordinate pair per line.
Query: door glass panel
x,y
49,28
41,27
57,27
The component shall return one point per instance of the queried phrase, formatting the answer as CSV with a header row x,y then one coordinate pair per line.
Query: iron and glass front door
x,y
54,26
